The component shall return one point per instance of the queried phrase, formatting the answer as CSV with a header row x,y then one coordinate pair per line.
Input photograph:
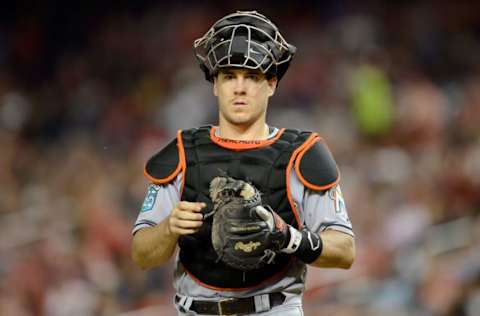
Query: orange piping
x,y
289,168
181,161
240,288
163,180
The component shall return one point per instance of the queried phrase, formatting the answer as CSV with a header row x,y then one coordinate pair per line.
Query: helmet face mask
x,y
245,39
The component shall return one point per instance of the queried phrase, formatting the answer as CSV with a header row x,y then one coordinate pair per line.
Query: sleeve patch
x,y
340,208
151,198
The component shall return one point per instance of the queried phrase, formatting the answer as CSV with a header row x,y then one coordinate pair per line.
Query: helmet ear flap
x,y
206,72
287,55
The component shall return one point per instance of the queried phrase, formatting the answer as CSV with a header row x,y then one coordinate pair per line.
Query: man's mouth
x,y
239,102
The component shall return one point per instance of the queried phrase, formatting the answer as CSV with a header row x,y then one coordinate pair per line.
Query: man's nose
x,y
239,87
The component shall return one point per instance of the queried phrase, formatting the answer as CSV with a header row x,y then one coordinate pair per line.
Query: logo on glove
x,y
248,247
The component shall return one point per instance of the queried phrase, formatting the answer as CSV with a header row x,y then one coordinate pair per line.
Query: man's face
x,y
243,95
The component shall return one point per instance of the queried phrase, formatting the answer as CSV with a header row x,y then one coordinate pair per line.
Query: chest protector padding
x,y
265,167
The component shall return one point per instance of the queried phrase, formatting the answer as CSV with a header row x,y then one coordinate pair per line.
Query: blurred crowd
x,y
393,88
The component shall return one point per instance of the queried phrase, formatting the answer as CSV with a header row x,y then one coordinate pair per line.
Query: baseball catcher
x,y
248,205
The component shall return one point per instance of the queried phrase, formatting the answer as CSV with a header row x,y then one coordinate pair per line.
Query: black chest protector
x,y
265,165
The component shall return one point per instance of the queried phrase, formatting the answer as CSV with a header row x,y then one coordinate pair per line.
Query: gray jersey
x,y
317,210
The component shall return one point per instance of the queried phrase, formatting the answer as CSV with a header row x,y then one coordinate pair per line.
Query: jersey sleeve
x,y
158,203
326,210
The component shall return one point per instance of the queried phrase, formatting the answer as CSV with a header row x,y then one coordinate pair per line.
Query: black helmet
x,y
244,39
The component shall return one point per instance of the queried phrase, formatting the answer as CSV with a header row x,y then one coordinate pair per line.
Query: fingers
x,y
265,215
186,217
191,206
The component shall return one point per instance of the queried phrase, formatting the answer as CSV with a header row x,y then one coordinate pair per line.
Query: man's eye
x,y
228,77
253,77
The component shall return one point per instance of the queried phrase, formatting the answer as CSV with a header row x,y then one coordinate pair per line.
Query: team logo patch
x,y
151,197
340,208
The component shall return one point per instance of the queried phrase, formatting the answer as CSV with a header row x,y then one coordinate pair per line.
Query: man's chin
x,y
238,116
240,121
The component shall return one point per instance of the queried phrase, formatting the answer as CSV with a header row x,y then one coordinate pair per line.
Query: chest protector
x,y
201,156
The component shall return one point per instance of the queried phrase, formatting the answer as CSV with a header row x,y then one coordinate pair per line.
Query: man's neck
x,y
238,132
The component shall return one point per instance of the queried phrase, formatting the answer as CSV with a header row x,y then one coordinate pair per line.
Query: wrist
x,y
293,241
305,245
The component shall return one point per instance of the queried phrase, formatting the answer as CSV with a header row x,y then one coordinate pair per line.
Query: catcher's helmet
x,y
245,39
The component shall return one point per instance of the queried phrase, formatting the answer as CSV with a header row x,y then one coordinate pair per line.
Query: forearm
x,y
153,246
338,250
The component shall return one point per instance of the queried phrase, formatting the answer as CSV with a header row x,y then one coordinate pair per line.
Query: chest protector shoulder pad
x,y
316,167
165,165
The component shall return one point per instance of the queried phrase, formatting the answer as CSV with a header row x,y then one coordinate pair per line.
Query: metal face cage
x,y
245,39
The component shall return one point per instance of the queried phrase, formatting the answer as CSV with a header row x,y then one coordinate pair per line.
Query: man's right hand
x,y
185,218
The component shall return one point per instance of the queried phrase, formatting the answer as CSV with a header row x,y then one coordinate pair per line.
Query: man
x,y
244,56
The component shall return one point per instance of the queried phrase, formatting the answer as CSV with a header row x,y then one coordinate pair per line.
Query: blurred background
x,y
89,90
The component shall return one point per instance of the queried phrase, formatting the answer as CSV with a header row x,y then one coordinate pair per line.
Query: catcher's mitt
x,y
240,237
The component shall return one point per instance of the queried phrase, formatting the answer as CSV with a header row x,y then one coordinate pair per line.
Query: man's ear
x,y
272,84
